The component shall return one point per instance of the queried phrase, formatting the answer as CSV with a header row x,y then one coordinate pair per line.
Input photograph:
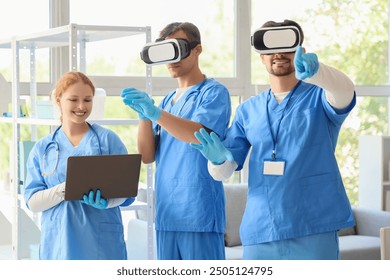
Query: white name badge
x,y
273,167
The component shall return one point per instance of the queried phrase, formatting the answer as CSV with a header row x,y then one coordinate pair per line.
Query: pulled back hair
x,y
68,79
188,28
286,22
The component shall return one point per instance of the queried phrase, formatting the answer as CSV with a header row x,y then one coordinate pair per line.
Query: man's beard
x,y
282,72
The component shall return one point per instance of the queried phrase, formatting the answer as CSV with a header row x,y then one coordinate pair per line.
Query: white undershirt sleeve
x,y
339,88
113,202
46,199
222,171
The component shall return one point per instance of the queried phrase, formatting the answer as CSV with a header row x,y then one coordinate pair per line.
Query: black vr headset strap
x,y
169,31
186,47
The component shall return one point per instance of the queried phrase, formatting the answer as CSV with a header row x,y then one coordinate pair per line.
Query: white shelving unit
x,y
374,173
75,37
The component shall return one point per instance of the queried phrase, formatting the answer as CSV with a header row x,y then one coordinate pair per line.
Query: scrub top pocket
x,y
305,129
111,242
315,190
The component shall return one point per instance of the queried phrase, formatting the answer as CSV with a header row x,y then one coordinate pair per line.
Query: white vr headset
x,y
280,39
167,51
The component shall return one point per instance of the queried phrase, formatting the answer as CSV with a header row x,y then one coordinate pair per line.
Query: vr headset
x,y
280,39
167,51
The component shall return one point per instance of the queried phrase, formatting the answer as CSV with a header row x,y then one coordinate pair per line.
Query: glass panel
x,y
18,19
344,34
41,60
115,109
6,63
21,17
369,117
5,144
214,18
115,57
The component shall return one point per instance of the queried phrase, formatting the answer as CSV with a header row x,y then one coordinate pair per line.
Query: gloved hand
x,y
97,202
135,107
211,147
306,64
140,102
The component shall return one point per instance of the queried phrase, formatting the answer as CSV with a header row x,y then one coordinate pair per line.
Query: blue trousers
x,y
179,245
324,246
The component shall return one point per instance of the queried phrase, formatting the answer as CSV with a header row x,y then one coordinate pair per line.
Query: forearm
x,y
180,128
339,88
146,143
222,171
46,199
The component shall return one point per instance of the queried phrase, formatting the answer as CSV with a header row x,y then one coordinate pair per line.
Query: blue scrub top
x,y
71,229
310,197
187,197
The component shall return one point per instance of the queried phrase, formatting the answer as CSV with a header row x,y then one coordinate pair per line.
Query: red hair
x,y
68,79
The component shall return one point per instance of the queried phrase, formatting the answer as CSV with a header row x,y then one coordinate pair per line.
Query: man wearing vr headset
x,y
296,199
190,204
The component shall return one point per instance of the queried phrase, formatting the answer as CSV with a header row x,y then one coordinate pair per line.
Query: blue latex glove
x,y
140,102
97,202
211,147
127,96
306,64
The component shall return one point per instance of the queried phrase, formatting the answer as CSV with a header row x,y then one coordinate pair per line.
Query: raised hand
x,y
140,102
306,64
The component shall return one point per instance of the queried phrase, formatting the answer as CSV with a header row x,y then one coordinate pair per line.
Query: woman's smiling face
x,y
76,103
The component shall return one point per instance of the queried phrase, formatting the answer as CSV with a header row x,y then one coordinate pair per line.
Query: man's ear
x,y
198,49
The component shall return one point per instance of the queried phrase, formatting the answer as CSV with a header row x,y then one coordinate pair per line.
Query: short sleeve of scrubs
x,y
34,179
338,116
238,145
213,107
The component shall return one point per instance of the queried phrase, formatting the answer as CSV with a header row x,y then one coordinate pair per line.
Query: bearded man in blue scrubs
x,y
296,198
190,204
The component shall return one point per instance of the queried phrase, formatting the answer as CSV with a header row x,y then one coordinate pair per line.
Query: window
x,y
349,35
215,20
16,21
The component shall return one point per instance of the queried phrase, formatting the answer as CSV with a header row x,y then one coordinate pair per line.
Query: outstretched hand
x,y
306,64
140,102
95,201
211,147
